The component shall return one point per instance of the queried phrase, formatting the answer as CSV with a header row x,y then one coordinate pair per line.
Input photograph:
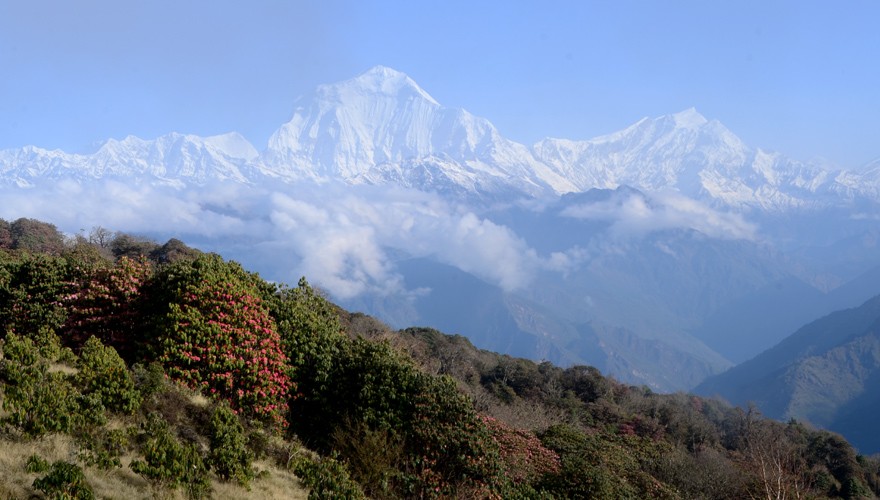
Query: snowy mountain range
x,y
640,252
382,128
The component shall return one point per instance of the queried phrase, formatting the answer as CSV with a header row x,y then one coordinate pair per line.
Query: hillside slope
x,y
824,373
125,362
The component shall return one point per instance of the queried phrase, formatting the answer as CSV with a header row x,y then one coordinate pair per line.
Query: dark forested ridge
x,y
129,366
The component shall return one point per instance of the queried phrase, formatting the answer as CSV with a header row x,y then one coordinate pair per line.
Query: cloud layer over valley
x,y
346,238
637,214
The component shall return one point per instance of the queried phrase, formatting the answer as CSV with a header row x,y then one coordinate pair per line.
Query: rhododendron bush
x,y
217,336
106,304
525,459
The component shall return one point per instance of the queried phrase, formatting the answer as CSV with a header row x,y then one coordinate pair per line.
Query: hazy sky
x,y
799,77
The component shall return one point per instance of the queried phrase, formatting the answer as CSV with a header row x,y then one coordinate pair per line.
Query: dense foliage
x,y
215,335
206,368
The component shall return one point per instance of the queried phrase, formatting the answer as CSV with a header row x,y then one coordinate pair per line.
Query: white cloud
x,y
343,235
345,238
635,214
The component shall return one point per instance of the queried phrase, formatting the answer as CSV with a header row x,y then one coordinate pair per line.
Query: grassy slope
x,y
272,482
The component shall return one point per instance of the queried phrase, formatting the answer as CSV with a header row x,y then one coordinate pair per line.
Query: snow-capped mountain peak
x,y
689,118
379,80
380,127
343,129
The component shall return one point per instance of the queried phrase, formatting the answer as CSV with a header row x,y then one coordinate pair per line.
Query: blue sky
x,y
799,77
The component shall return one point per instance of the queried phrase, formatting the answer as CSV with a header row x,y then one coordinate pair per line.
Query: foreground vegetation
x,y
129,366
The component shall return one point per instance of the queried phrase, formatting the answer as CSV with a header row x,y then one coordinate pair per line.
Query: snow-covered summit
x,y
378,80
699,158
689,118
380,127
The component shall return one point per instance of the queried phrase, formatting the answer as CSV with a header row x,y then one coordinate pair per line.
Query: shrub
x,y
36,463
381,394
106,304
216,336
102,448
372,456
327,478
597,465
31,288
171,463
65,481
524,458
450,449
150,379
104,374
229,455
38,402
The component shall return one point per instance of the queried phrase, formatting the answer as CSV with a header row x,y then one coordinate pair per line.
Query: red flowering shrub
x,y
218,337
105,305
525,459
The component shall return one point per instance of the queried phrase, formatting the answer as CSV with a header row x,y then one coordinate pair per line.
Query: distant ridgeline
x,y
129,364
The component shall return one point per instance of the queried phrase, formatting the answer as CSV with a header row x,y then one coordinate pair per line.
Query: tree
x,y
778,464
101,237
5,234
312,340
834,453
309,328
133,247
31,292
586,382
36,237
172,251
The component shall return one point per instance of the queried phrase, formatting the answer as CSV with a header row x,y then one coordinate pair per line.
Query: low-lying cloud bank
x,y
344,238
341,237
635,214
